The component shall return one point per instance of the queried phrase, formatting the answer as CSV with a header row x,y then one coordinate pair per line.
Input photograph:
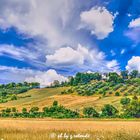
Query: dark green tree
x,y
109,111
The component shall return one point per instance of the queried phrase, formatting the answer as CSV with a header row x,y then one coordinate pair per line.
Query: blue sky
x,y
49,40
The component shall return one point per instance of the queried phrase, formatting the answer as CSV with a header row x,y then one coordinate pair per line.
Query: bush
x,y
117,94
125,101
14,97
55,103
90,112
109,111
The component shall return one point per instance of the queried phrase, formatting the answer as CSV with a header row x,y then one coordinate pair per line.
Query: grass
x,y
50,129
44,129
45,97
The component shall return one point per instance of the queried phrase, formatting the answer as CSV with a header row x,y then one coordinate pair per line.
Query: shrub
x,y
125,101
55,103
117,94
109,111
90,112
14,97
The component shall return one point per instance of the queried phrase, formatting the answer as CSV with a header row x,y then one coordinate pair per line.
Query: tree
x,y
90,112
34,109
109,111
14,109
8,110
56,83
4,94
134,74
125,101
124,74
55,103
14,97
132,109
117,94
114,77
24,110
45,109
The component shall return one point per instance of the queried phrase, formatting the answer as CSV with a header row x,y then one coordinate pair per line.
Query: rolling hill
x,y
46,96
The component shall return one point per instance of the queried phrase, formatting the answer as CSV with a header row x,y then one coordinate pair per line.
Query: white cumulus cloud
x,y
65,56
81,58
68,56
14,74
134,63
113,65
134,23
46,78
99,21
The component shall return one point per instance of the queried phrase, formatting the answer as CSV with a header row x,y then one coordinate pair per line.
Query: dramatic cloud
x,y
134,63
99,21
80,58
56,27
13,74
65,56
69,56
46,19
19,53
46,78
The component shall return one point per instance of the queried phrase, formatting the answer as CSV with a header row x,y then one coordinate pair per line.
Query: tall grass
x,y
32,134
50,129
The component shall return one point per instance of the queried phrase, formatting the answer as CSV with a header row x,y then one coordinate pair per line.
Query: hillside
x,y
80,92
45,97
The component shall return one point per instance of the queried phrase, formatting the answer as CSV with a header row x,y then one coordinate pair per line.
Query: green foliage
x,y
9,91
134,74
84,78
55,103
114,77
124,74
109,111
90,112
14,97
55,111
125,101
132,109
117,94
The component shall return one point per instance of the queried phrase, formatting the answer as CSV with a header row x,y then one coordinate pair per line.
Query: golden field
x,y
50,129
46,96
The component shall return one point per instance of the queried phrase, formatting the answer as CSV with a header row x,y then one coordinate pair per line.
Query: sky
x,y
47,40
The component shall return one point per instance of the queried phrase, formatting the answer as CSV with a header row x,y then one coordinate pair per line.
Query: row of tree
x,y
17,85
84,78
130,109
55,111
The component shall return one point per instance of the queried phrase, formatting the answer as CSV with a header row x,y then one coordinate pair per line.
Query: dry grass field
x,y
50,129
46,96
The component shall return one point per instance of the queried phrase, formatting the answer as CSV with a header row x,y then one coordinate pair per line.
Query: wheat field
x,y
45,97
51,129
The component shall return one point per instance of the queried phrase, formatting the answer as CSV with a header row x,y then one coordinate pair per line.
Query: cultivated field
x,y
50,129
45,97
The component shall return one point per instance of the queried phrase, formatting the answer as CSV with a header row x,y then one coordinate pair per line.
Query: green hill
x,y
46,96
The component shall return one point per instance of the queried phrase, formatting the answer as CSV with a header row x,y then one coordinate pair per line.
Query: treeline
x,y
16,85
55,111
84,78
9,91
130,109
